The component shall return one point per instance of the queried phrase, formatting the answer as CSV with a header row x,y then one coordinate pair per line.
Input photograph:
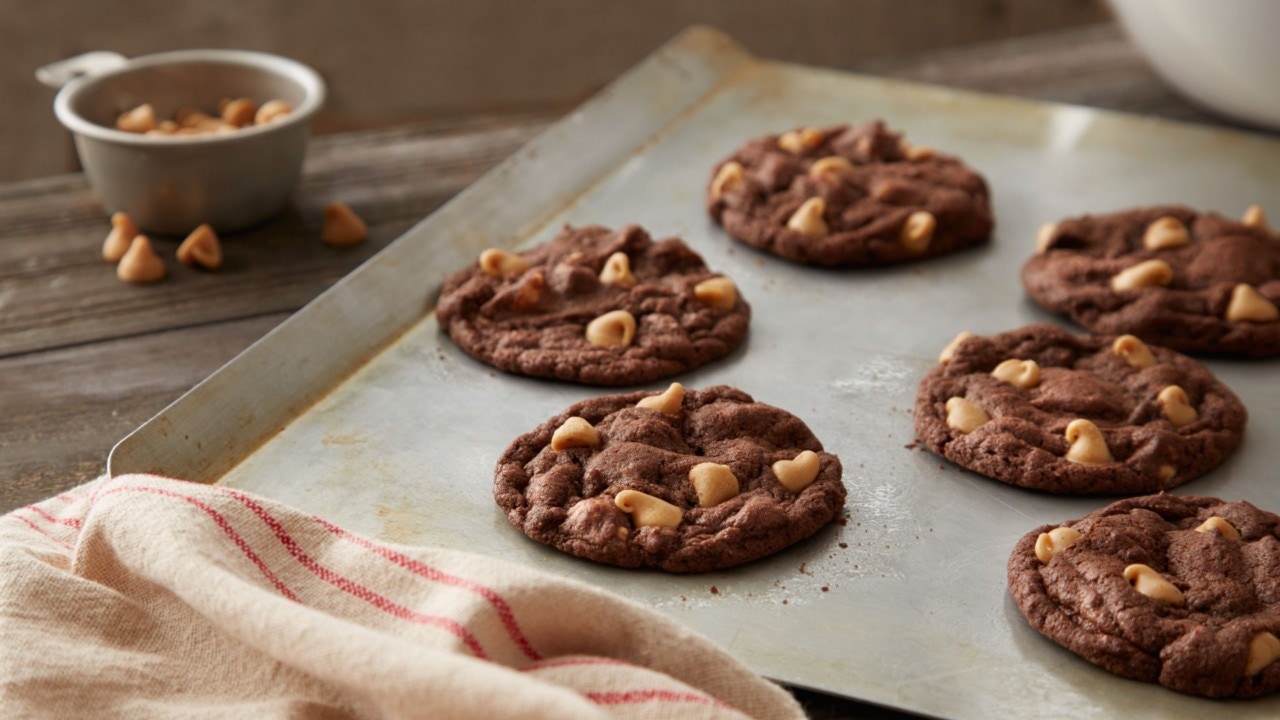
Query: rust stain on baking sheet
x,y
354,438
399,525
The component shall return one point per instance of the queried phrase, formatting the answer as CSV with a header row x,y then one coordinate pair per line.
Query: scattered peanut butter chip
x,y
1087,445
123,231
1249,305
798,473
140,264
201,249
138,120
342,226
648,511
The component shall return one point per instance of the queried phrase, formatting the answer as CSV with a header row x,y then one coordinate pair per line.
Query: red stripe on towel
x,y
352,587
421,569
42,531
642,696
226,528
69,522
569,662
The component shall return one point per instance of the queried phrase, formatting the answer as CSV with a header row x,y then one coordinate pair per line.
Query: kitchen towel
x,y
146,597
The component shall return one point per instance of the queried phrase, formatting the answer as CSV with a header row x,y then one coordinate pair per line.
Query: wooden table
x,y
84,358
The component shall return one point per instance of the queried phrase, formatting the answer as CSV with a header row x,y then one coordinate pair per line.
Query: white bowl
x,y
1223,54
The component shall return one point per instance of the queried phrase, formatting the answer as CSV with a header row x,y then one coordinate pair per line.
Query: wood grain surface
x,y
84,358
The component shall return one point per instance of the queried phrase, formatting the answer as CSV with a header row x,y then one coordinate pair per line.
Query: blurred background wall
x,y
390,62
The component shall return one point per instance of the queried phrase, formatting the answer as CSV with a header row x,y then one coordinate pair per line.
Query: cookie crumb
x,y
844,546
826,588
715,590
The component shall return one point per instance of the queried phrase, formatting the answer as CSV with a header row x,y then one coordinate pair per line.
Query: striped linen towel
x,y
145,597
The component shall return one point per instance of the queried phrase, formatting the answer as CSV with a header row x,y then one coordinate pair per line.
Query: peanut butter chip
x,y
502,264
1149,273
964,416
201,249
1049,544
729,177
797,141
1176,407
916,153
1019,373
123,231
140,264
1165,233
239,112
718,292
1220,526
830,168
1044,236
1264,649
669,402
917,231
1248,305
138,120
1134,351
808,220
799,473
612,329
341,225
949,351
617,271
1150,583
272,110
1088,447
713,482
648,511
1255,217
576,432
1166,472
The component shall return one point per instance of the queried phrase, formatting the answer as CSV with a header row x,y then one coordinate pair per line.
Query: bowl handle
x,y
59,73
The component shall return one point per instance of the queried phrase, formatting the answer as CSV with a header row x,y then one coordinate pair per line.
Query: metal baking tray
x,y
359,409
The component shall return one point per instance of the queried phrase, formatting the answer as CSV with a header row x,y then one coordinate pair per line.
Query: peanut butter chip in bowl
x,y
693,487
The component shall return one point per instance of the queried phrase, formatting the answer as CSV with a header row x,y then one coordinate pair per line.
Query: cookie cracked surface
x,y
1217,291
594,306
683,481
1180,591
1041,408
848,196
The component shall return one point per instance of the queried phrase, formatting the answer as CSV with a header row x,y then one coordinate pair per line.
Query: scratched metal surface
x,y
905,604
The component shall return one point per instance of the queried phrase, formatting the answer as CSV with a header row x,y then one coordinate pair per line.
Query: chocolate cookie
x,y
596,307
1181,591
1043,409
684,481
1195,282
848,196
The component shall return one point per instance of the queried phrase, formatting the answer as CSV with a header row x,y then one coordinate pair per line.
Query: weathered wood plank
x,y
64,409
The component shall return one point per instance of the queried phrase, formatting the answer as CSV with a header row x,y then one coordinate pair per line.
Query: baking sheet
x,y
360,410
